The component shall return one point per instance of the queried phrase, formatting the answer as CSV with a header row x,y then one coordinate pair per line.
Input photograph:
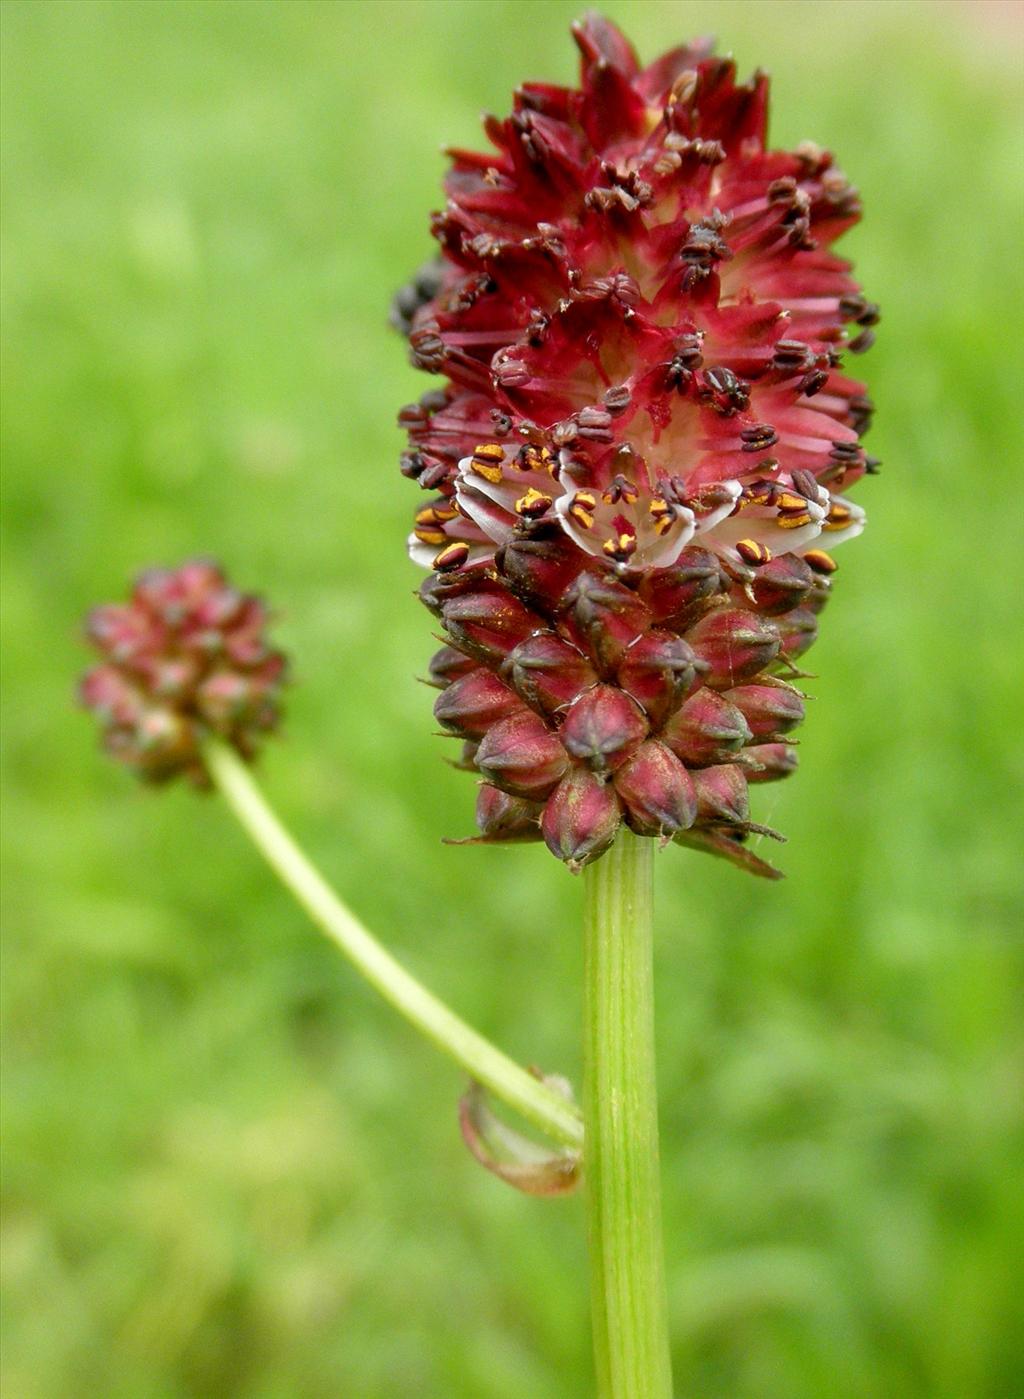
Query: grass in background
x,y
228,1172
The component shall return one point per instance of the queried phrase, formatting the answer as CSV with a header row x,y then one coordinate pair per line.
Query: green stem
x,y
534,1100
630,1314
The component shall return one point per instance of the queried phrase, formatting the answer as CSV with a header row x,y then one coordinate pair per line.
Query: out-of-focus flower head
x,y
638,461
184,658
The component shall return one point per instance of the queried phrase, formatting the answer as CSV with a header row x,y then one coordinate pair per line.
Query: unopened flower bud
x,y
160,744
820,593
539,567
603,616
580,818
503,817
656,791
768,762
487,625
522,756
439,588
676,595
474,702
448,664
548,672
721,795
779,585
799,631
603,727
227,698
706,729
657,670
112,697
768,709
735,645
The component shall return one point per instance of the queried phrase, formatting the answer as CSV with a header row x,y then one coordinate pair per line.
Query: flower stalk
x,y
538,1104
621,1172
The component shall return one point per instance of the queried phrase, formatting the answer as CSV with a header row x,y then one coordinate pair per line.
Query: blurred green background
x,y
228,1170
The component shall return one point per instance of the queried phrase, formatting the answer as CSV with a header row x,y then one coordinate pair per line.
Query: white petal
x,y
831,537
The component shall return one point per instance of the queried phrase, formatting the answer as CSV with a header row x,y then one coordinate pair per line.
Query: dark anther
x,y
595,423
709,152
843,196
423,287
618,399
677,376
782,191
805,483
510,373
688,350
845,451
872,465
862,342
434,474
811,383
759,437
412,464
427,348
704,247
619,488
502,422
813,158
678,146
861,412
726,393
792,354
857,308
413,417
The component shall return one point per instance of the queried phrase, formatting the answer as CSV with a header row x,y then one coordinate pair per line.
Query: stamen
x,y
533,504
753,552
430,536
758,438
533,458
581,509
435,515
811,383
806,484
619,488
454,556
486,461
820,561
759,493
662,514
621,547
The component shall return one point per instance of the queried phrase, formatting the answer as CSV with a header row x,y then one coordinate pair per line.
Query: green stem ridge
x,y
621,1172
540,1105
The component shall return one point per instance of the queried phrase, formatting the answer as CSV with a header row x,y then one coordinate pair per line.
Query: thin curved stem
x,y
534,1100
627,1269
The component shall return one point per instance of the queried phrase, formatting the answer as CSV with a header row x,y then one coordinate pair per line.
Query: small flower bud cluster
x,y
640,450
584,700
184,658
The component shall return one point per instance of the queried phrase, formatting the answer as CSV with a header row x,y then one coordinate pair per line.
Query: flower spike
x,y
640,452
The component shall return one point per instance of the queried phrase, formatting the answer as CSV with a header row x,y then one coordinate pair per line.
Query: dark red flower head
x,y
186,657
640,451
